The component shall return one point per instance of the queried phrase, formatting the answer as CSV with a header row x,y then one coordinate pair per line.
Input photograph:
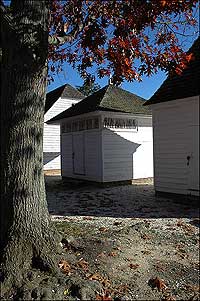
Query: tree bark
x,y
26,240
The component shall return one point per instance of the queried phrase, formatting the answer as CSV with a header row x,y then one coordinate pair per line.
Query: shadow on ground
x,y
77,198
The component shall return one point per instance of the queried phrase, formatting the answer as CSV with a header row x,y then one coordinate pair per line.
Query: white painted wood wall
x,y
176,136
51,137
128,153
112,154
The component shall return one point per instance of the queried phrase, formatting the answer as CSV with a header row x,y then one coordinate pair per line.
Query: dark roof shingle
x,y
181,86
65,91
109,98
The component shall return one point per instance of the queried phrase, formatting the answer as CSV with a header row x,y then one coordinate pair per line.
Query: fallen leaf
x,y
102,254
103,229
96,276
181,252
159,267
104,281
105,297
123,288
145,236
65,267
189,229
192,288
82,264
113,254
157,283
133,266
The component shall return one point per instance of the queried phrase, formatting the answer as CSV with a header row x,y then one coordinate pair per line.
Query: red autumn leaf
x,y
163,2
104,281
65,267
157,283
96,276
105,297
82,264
189,57
113,39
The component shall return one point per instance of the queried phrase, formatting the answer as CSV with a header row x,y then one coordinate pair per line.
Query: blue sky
x,y
145,89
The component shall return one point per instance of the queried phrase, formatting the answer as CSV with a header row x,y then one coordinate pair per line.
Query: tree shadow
x,y
79,198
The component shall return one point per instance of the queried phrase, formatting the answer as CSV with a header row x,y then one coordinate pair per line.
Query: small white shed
x,y
175,112
57,101
107,137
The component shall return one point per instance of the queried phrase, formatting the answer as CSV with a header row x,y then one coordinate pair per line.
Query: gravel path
x,y
129,201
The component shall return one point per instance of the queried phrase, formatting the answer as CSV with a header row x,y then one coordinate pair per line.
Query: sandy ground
x,y
126,243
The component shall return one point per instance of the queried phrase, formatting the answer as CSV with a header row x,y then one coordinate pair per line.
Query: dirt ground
x,y
123,243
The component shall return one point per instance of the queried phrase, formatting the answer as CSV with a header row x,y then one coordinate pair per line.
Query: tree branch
x,y
7,25
6,18
60,40
55,40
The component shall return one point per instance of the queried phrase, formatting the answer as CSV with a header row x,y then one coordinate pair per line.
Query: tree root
x,y
26,264
29,271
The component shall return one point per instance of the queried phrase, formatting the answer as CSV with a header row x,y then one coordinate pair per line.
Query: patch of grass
x,y
72,229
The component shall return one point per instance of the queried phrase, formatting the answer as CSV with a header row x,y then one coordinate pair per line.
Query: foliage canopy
x,y
123,38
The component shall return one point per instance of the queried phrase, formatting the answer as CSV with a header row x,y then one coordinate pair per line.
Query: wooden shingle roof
x,y
65,91
109,98
181,86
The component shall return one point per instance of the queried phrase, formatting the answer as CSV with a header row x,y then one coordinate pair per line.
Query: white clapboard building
x,y
175,112
106,137
57,101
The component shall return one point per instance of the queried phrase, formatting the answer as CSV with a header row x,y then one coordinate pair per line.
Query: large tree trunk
x,y
26,240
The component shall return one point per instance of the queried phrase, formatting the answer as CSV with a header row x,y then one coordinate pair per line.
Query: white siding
x,y
92,155
176,125
66,155
51,137
128,154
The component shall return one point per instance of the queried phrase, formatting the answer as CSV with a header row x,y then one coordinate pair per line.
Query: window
x,y
80,125
120,123
108,122
89,124
96,123
74,126
68,127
